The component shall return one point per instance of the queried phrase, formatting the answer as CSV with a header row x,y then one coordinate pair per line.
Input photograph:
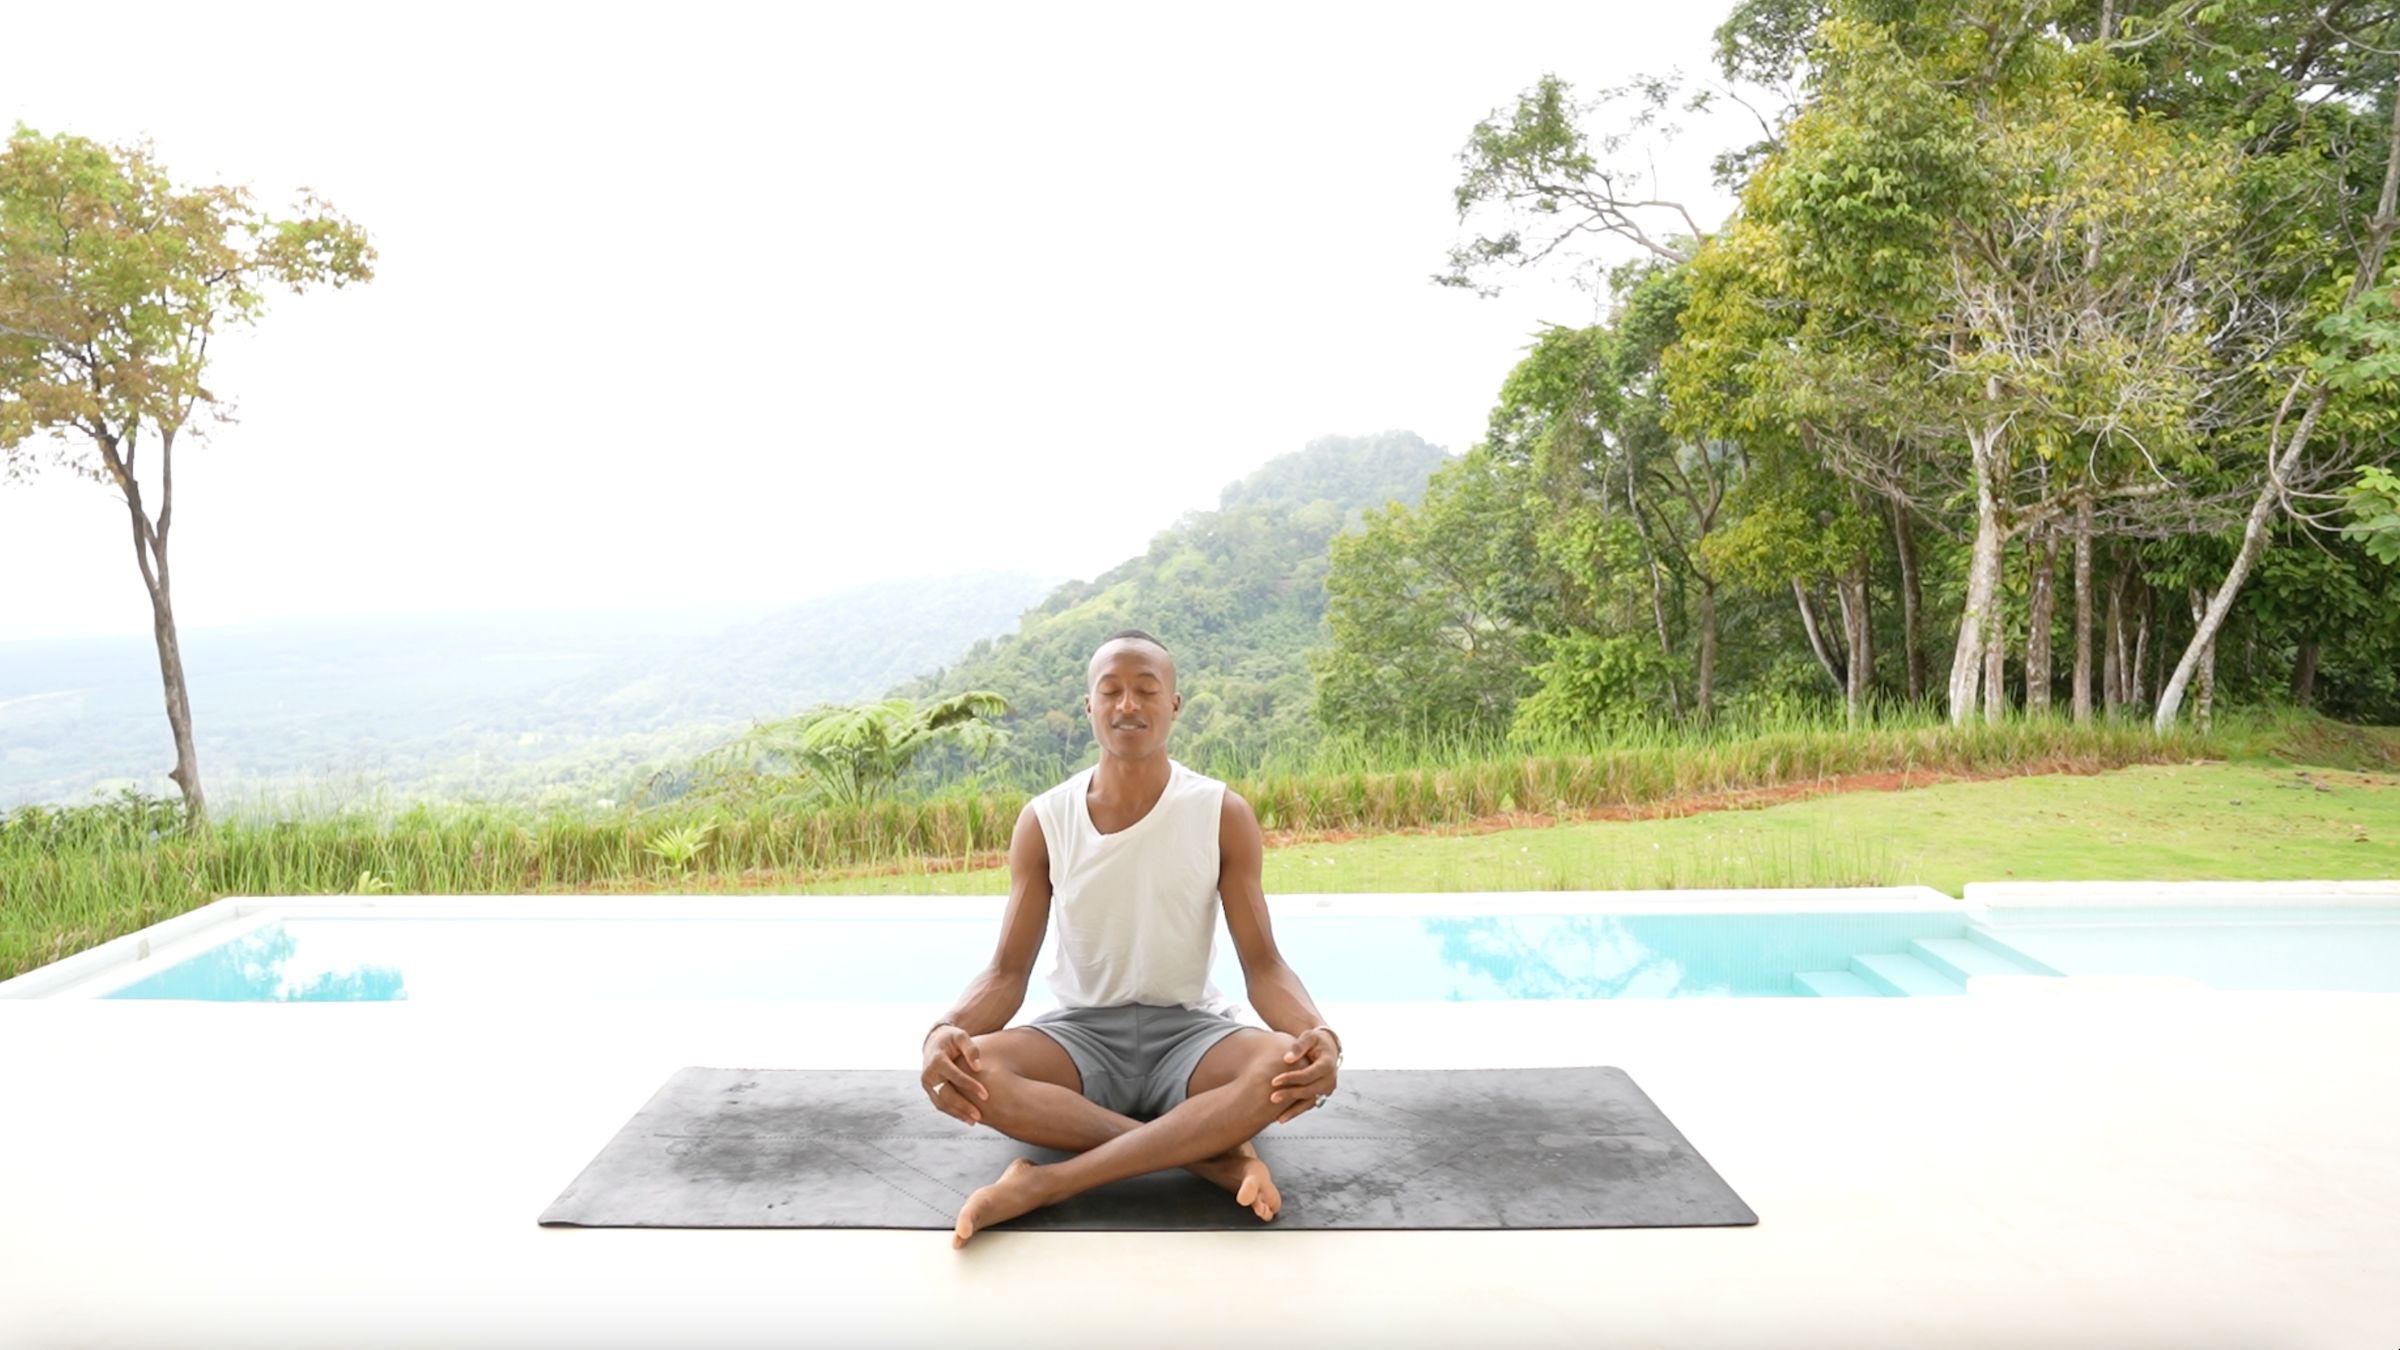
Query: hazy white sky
x,y
754,303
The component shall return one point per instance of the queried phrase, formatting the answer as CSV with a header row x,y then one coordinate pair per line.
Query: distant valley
x,y
565,705
468,704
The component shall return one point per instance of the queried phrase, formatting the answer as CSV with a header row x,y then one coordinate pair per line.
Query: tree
x,y
1437,612
1796,526
1623,501
848,755
1550,183
114,281
2039,277
1814,403
1995,270
2364,338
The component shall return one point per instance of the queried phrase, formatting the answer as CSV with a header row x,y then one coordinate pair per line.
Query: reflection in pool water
x,y
1587,956
254,968
1362,957
1570,956
1395,957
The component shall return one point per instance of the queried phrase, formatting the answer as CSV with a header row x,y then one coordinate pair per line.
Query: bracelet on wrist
x,y
1337,1041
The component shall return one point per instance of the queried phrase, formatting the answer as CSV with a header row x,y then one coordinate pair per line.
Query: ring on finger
x,y
937,1088
1320,1101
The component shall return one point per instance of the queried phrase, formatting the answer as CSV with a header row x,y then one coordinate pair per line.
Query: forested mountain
x,y
450,704
1236,593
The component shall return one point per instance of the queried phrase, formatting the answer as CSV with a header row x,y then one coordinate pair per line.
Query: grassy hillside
x,y
1237,593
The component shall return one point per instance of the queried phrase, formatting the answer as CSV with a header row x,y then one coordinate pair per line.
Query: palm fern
x,y
846,755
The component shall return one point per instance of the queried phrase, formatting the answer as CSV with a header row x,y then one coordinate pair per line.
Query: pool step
x,y
1832,984
1962,959
1903,976
1991,943
1931,968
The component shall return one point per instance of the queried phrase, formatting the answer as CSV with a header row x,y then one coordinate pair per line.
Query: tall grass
x,y
70,879
1736,859
1657,766
73,879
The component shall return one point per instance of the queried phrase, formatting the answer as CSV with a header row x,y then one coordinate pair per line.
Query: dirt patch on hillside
x,y
2323,743
1744,799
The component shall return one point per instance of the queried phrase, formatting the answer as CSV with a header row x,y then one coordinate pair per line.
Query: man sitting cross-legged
x,y
1139,1069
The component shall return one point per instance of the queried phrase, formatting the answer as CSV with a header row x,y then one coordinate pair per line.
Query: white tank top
x,y
1135,912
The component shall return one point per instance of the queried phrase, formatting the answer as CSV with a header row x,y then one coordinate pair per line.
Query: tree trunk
x,y
2112,675
2208,685
1995,674
2137,692
2155,613
2205,704
2042,557
1851,589
1658,591
1912,601
2254,542
2281,465
2304,676
150,555
2082,695
186,773
1862,647
1841,600
1967,663
1705,694
1666,646
1816,638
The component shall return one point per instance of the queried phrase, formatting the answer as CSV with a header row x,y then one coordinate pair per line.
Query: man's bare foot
x,y
1016,1192
1244,1173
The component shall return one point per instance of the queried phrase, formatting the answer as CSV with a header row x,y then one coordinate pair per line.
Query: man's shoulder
x,y
1199,787
1073,785
1194,776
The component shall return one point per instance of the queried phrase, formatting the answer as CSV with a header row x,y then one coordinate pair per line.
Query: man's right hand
x,y
951,1079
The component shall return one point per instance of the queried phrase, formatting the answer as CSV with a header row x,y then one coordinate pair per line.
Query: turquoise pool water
x,y
1347,957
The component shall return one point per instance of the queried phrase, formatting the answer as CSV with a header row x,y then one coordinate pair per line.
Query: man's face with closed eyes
x,y
1131,697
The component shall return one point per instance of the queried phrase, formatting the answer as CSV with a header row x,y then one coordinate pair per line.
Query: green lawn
x,y
2202,822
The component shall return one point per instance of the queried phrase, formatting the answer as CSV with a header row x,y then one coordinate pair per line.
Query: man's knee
x,y
1244,1064
1266,1060
1011,1078
1002,1104
994,1054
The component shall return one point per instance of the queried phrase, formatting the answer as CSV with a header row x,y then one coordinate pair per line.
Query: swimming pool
x,y
1892,942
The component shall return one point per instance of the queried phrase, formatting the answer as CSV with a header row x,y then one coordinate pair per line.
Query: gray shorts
x,y
1136,1059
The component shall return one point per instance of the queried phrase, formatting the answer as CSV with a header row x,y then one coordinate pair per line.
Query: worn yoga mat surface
x,y
1472,1148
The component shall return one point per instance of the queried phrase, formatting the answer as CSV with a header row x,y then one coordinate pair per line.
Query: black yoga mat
x,y
1472,1148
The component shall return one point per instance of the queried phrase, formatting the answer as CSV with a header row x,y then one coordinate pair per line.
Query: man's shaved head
x,y
1131,637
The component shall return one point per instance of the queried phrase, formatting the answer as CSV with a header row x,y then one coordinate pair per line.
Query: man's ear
x,y
1177,705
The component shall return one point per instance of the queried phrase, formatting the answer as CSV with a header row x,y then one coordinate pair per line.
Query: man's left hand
x,y
1315,1061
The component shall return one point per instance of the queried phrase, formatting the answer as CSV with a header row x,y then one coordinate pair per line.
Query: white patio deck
x,y
2182,1169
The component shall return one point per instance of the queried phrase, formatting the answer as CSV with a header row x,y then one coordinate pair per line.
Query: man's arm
x,y
1276,994
953,1069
